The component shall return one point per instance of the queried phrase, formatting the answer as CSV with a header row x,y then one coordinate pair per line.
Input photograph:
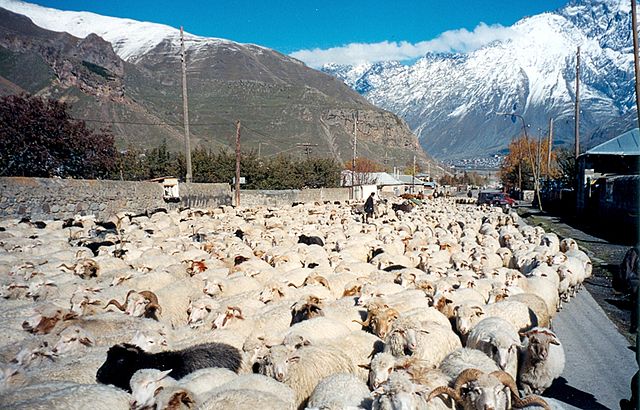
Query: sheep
x,y
340,391
379,318
143,303
466,358
486,391
499,340
303,368
257,382
73,396
517,313
317,329
124,359
542,360
147,383
383,364
242,399
399,392
430,341
536,304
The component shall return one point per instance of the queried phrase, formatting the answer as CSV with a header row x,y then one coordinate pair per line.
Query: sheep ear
x,y
365,366
157,391
86,341
294,359
554,341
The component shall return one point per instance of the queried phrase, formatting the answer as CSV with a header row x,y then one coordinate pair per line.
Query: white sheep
x,y
542,360
466,358
517,313
303,368
427,341
78,396
499,340
340,391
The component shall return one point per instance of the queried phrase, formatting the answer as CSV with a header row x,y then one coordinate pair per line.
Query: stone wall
x,y
249,198
51,198
44,198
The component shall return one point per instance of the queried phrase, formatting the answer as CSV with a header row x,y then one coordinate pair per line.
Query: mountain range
x,y
456,102
126,75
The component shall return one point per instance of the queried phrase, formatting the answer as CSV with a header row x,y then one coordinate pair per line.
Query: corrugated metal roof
x,y
382,178
625,144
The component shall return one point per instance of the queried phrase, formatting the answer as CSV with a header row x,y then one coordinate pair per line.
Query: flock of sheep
x,y
442,306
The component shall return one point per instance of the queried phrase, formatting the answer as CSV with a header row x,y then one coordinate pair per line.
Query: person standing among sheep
x,y
368,208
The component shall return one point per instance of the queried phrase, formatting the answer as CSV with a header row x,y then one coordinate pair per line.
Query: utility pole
x,y
413,179
634,22
578,103
237,184
353,160
634,29
185,107
549,150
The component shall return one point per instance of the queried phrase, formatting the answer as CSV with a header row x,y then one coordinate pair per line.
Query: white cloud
x,y
461,40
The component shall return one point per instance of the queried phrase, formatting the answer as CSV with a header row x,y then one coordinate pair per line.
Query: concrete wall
x,y
44,198
249,198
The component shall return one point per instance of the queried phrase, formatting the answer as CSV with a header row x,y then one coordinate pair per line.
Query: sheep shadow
x,y
561,390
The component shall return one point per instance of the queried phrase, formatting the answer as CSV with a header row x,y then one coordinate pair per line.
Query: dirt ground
x,y
606,257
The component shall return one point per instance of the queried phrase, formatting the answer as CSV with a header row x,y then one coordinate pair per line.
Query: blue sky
x,y
315,26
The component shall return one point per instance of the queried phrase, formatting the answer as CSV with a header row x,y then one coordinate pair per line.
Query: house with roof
x,y
609,178
384,183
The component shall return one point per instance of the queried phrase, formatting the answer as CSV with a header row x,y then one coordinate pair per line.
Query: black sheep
x,y
123,360
310,240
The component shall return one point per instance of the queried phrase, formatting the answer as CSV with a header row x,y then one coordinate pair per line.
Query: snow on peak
x,y
130,38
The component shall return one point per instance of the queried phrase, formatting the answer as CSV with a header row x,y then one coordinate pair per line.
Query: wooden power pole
x,y
185,107
578,103
549,148
353,160
237,184
634,30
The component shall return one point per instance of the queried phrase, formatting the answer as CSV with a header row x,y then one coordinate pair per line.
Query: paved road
x,y
599,365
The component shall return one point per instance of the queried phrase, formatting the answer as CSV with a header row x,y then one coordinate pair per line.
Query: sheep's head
x,y
145,385
399,393
213,288
139,304
382,320
195,267
271,292
86,268
199,310
122,362
467,316
150,342
81,299
276,362
380,369
175,398
224,318
72,338
539,340
403,337
477,390
43,322
308,308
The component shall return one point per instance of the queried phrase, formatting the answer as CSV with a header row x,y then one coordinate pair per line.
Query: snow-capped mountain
x,y
454,101
129,38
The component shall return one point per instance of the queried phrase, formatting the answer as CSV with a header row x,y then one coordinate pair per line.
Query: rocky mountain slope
x,y
127,75
453,101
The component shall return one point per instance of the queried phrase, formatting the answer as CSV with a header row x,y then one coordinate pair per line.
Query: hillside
x,y
127,76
